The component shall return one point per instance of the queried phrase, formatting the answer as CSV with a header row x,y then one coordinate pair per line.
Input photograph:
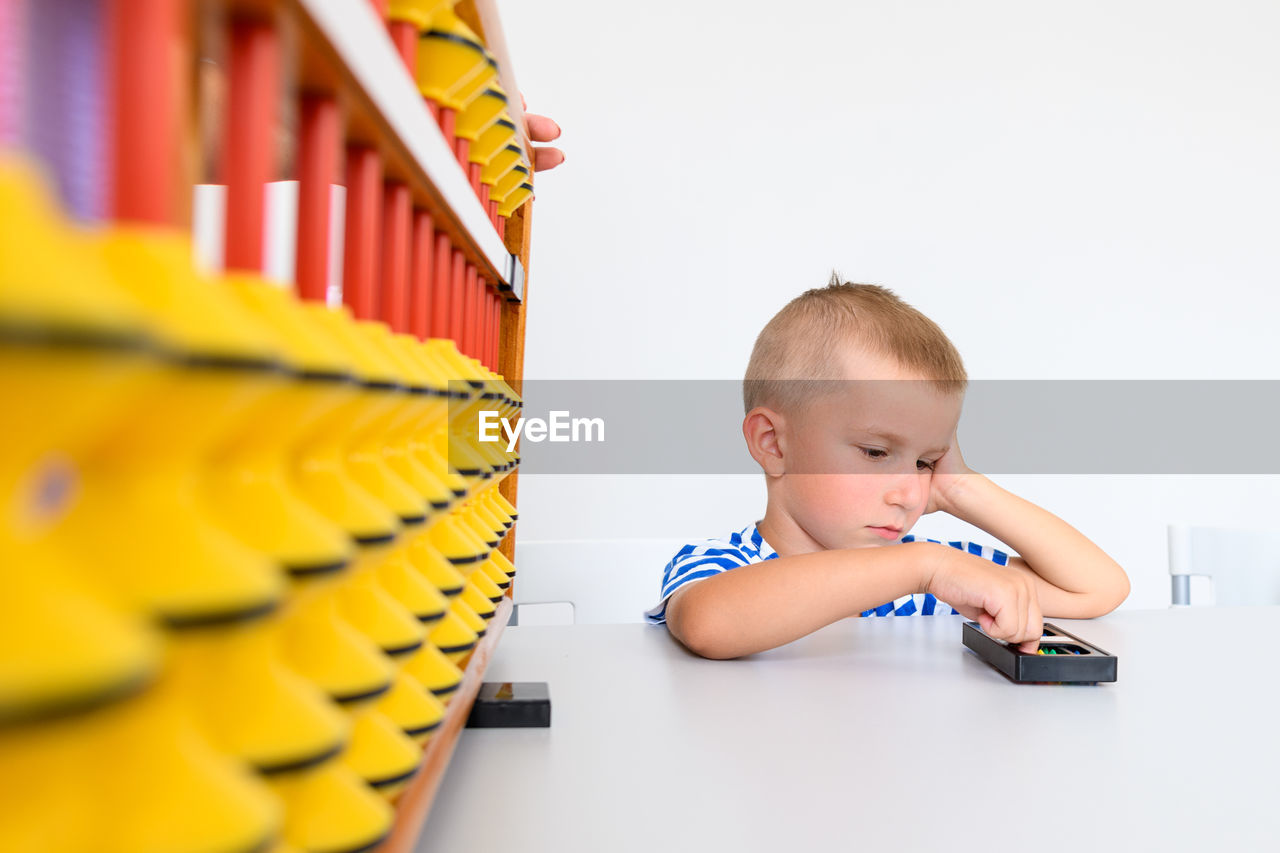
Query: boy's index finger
x,y
1029,647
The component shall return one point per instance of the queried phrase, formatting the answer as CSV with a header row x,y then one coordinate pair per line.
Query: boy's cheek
x,y
836,501
828,488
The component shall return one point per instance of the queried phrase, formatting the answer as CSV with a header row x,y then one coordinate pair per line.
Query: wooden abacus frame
x,y
340,50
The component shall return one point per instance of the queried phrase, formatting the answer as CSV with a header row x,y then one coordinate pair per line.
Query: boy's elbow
x,y
1110,598
707,644
1120,593
697,626
1124,588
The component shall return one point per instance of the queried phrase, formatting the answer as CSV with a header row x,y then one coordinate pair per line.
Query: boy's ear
x,y
763,429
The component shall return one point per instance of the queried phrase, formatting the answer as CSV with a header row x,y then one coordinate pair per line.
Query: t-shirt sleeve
x,y
986,552
690,564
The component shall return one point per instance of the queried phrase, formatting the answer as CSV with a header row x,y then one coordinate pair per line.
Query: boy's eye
x,y
925,465
874,452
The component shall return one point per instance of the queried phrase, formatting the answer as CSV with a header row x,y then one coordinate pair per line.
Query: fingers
x,y
1002,600
547,158
541,128
1026,622
1007,621
1035,621
1017,618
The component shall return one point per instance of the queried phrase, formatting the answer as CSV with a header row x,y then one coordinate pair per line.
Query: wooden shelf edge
x,y
415,803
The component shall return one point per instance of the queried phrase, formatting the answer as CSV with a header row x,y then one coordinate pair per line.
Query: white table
x,y
879,734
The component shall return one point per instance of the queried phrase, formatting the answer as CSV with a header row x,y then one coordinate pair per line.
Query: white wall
x,y
1079,191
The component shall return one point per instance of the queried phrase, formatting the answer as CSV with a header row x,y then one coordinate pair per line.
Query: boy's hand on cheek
x,y
949,473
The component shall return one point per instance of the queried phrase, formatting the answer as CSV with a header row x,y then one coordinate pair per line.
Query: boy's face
x,y
859,460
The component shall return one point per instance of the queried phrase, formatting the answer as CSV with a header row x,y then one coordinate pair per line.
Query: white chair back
x,y
602,581
1243,565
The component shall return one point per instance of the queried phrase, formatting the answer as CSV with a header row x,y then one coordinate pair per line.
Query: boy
x,y
852,399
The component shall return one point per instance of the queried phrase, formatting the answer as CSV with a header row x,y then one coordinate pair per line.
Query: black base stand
x,y
510,705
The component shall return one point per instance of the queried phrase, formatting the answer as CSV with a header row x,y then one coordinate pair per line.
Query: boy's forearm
x,y
764,605
1085,581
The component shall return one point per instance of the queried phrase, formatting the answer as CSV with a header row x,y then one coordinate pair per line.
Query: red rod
x,y
482,328
487,343
397,210
404,36
440,287
449,126
249,145
470,313
421,274
147,94
380,6
477,330
319,144
496,355
361,246
457,293
481,191
462,150
482,318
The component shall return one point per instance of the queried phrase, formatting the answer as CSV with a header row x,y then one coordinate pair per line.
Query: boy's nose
x,y
906,490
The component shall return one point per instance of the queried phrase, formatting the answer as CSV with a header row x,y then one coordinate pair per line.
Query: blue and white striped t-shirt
x,y
711,557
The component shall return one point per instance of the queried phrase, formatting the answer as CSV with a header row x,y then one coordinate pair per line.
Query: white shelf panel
x,y
360,39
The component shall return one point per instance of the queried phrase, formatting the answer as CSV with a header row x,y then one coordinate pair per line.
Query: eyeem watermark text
x,y
558,427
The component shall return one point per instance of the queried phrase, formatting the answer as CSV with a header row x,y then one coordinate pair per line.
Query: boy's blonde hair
x,y
792,359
